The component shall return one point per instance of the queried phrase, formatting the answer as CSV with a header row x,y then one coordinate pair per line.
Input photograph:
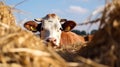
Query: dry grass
x,y
5,14
105,46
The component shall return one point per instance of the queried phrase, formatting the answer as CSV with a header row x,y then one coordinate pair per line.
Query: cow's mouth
x,y
51,44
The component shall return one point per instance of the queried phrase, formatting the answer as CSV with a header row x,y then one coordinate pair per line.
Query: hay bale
x,y
105,46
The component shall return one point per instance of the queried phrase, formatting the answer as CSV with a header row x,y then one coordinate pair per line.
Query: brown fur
x,y
68,38
51,16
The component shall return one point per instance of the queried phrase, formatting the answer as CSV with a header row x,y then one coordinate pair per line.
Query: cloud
x,y
77,10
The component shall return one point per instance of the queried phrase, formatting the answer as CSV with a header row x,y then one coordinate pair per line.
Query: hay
x,y
20,48
6,15
105,46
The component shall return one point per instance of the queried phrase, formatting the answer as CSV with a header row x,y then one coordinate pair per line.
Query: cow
x,y
89,37
54,30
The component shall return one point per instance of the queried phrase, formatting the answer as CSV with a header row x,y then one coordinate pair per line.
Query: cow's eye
x,y
42,29
49,21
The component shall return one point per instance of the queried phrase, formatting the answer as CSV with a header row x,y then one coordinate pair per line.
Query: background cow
x,y
88,37
54,30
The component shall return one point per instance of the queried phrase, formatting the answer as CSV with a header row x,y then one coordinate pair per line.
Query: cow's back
x,y
68,38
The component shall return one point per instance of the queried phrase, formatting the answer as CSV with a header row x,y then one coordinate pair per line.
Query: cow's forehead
x,y
51,20
51,24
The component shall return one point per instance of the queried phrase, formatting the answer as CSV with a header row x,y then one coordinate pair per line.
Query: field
x,y
21,48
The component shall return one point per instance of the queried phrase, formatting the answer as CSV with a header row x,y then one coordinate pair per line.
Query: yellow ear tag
x,y
67,28
33,29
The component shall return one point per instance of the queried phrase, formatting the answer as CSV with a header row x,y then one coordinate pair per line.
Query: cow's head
x,y
50,27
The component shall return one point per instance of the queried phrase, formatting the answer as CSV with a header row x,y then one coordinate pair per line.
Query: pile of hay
x,y
6,15
105,46
20,48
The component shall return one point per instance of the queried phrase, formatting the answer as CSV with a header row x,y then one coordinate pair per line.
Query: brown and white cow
x,y
55,30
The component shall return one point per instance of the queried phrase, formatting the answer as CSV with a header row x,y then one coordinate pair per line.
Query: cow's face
x,y
51,28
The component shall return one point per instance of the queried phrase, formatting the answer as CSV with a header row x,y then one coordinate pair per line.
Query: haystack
x,y
20,48
105,46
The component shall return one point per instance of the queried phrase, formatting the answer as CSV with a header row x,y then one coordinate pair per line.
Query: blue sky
x,y
77,10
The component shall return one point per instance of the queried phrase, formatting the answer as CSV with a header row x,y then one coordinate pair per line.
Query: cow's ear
x,y
63,20
31,26
68,25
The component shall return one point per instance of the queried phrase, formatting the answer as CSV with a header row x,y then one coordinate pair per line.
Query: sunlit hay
x,y
105,46
23,48
20,48
6,15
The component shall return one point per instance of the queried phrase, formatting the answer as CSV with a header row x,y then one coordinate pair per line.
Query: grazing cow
x,y
55,30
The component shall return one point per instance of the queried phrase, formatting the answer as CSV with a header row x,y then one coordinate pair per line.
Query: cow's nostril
x,y
48,40
54,40
51,40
